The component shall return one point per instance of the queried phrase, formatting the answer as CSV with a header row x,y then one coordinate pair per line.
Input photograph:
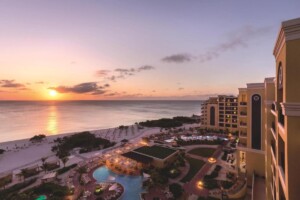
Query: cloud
x,y
11,84
112,94
178,58
132,71
40,82
180,88
236,40
121,73
83,88
102,72
145,68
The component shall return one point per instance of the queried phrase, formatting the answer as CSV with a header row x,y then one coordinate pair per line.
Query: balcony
x,y
242,144
243,124
273,147
242,103
243,113
243,134
273,130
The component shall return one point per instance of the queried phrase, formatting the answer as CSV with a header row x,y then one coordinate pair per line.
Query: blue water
x,y
23,119
131,184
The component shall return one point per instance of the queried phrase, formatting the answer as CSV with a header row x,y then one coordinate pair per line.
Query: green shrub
x,y
5,180
211,184
37,138
2,151
176,190
85,140
227,184
56,191
65,169
10,192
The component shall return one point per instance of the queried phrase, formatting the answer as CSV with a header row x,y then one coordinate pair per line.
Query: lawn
x,y
204,152
195,166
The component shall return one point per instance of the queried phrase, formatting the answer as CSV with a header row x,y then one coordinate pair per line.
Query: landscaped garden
x,y
85,140
204,152
168,123
195,166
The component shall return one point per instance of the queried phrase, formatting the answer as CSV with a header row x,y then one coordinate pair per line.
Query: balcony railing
x,y
273,126
243,134
242,144
273,146
243,113
243,124
242,103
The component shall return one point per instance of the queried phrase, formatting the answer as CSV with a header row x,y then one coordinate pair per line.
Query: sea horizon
x,y
24,119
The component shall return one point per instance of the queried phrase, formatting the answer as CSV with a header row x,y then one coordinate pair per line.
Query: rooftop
x,y
138,157
155,151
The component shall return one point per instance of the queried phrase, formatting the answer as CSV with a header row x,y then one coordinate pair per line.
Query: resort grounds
x,y
203,166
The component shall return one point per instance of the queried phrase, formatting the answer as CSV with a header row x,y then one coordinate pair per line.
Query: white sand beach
x,y
23,153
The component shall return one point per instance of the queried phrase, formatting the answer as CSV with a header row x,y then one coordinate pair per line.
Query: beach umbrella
x,y
113,187
146,175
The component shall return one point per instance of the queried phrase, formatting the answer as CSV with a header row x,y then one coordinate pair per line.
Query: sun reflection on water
x,y
52,121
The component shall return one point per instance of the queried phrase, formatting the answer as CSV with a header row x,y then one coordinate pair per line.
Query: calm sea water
x,y
23,119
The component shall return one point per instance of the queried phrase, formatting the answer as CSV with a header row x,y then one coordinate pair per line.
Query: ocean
x,y
23,119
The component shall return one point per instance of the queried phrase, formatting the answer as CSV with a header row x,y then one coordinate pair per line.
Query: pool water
x,y
42,197
132,184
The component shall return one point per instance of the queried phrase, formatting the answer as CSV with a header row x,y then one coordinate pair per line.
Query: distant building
x,y
156,155
220,112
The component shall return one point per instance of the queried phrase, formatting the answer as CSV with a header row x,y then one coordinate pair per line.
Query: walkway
x,y
191,187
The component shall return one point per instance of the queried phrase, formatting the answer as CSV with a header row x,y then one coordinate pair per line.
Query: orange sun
x,y
52,93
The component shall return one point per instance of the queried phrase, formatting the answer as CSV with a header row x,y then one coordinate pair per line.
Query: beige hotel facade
x,y
268,150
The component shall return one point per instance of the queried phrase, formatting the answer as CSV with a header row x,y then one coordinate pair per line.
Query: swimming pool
x,y
132,184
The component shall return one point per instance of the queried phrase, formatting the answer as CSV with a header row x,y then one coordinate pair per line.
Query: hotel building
x,y
269,123
269,129
220,113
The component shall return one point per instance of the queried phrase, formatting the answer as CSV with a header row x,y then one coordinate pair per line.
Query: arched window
x,y
256,121
212,116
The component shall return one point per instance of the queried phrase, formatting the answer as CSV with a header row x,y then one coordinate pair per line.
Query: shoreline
x,y
23,153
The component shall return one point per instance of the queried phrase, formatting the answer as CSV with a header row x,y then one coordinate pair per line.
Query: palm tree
x,y
23,174
64,160
44,165
81,170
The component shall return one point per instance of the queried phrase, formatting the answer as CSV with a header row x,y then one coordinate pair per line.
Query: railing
x,y
243,113
273,126
243,134
242,144
243,123
242,103
273,147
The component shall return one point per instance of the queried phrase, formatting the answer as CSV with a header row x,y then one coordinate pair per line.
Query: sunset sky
x,y
134,49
